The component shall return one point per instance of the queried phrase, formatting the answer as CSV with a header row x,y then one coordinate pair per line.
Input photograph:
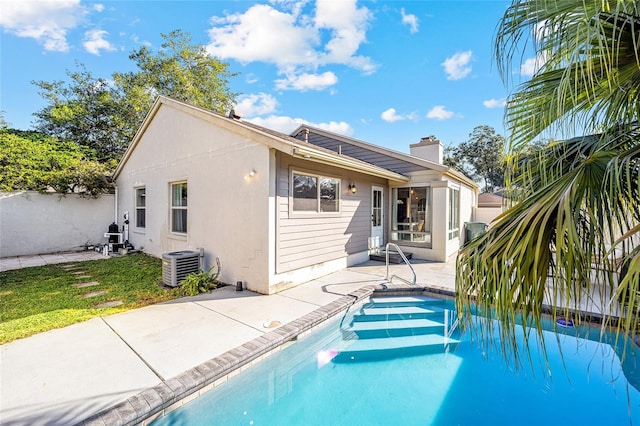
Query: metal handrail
x,y
386,249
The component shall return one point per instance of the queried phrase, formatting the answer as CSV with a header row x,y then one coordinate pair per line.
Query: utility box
x,y
474,230
177,265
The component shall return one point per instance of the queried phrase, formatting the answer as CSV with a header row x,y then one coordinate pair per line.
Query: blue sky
x,y
386,72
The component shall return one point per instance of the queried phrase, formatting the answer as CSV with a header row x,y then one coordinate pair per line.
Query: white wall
x,y
228,212
487,214
35,223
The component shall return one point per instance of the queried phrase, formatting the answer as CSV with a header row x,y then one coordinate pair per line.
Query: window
x,y
315,193
454,213
179,207
141,207
411,220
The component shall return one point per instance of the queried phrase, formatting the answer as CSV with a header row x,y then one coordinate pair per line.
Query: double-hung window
x,y
179,207
314,193
141,207
454,213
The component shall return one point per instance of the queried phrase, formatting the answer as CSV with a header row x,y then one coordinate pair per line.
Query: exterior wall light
x,y
352,188
250,176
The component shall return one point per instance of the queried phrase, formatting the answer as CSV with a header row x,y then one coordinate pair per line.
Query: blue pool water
x,y
309,383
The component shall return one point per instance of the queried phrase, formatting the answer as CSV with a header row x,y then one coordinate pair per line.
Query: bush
x,y
200,282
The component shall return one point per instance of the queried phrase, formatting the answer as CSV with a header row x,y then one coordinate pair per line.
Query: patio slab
x,y
174,337
62,376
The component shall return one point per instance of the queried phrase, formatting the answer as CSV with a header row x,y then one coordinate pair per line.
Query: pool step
x,y
379,302
393,328
389,327
392,347
389,313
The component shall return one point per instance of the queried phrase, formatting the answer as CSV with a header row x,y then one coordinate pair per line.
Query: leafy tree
x,y
179,70
104,115
85,111
33,161
579,199
481,157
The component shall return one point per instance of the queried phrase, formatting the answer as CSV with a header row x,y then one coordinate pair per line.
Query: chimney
x,y
429,148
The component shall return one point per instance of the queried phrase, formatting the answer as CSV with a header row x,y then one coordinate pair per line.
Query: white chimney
x,y
428,148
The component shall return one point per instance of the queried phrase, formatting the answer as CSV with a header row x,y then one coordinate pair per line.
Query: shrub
x,y
200,282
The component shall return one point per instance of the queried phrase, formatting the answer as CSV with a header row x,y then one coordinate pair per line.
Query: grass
x,y
42,298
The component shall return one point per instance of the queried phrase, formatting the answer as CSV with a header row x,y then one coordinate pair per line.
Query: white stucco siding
x,y
308,239
227,209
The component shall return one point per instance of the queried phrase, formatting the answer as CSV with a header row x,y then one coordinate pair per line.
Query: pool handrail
x,y
399,251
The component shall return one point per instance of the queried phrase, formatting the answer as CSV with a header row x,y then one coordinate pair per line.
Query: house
x,y
279,210
489,207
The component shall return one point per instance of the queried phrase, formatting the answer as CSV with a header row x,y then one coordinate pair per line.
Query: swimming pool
x,y
321,379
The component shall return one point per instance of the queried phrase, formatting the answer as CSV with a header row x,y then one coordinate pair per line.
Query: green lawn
x,y
38,299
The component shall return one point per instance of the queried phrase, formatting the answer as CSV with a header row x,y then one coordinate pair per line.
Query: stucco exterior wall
x,y
228,206
35,223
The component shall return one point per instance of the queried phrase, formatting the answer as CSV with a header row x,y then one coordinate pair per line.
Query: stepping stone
x,y
94,294
72,266
79,272
111,304
83,285
83,277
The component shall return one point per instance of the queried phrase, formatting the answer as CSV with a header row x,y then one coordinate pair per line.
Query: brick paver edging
x,y
159,400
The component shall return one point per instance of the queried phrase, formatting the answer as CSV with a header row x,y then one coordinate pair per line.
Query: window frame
x,y
453,217
173,208
318,198
138,207
411,236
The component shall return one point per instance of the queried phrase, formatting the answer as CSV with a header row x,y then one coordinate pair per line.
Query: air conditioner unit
x,y
177,265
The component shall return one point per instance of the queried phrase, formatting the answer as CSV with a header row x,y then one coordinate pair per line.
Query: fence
x,y
35,223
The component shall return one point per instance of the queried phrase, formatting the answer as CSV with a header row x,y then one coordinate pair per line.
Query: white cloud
x,y
98,7
348,25
296,43
46,21
94,42
439,112
457,67
391,116
305,82
287,125
495,103
532,65
410,20
256,104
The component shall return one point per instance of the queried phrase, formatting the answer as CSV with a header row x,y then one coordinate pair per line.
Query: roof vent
x,y
234,115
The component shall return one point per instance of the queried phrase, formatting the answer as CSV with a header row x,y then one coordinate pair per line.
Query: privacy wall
x,y
35,223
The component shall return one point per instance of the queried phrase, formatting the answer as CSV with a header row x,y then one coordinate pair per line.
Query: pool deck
x,y
117,369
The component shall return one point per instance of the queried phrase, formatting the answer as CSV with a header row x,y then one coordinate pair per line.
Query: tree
x,y
482,157
179,70
85,111
579,199
104,115
36,162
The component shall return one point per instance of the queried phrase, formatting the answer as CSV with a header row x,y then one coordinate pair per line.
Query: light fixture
x,y
250,176
352,188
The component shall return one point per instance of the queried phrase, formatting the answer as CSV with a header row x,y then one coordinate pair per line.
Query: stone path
x,y
80,274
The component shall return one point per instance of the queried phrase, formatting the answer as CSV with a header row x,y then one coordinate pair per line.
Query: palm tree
x,y
576,219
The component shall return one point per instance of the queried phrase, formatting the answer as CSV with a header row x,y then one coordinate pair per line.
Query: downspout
x,y
115,213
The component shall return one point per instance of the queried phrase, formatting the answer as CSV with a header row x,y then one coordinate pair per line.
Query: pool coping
x,y
157,401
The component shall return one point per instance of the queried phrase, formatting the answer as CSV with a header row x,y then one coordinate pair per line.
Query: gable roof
x,y
271,138
374,154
